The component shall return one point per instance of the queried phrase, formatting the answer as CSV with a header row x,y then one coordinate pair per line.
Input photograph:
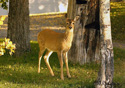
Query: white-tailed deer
x,y
56,42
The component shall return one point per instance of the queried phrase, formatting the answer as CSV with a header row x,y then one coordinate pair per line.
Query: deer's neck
x,y
69,36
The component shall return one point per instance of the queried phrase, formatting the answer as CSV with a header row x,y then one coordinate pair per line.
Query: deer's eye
x,y
67,23
73,23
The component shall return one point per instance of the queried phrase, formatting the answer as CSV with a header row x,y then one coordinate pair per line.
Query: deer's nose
x,y
70,27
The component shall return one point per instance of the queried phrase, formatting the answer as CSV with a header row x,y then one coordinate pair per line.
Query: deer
x,y
60,43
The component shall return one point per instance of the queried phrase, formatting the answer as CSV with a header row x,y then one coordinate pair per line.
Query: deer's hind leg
x,y
42,49
46,58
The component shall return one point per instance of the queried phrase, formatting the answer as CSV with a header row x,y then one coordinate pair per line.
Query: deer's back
x,y
51,40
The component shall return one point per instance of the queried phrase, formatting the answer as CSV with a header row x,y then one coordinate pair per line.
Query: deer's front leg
x,y
61,64
66,62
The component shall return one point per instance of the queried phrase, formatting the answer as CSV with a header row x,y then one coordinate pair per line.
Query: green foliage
x,y
117,20
3,4
22,72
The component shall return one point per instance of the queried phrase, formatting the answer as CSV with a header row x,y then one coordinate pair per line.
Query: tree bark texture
x,y
86,45
18,25
105,75
71,9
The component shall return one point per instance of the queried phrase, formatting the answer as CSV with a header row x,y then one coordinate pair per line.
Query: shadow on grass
x,y
23,70
28,58
43,79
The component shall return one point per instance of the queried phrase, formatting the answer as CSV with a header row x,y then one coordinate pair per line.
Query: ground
x,y
22,72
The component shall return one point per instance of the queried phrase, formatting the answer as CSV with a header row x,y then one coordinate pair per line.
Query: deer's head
x,y
70,23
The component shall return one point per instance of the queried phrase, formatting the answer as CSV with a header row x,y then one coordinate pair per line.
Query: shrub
x,y
7,45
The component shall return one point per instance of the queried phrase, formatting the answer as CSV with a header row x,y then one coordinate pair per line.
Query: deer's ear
x,y
76,18
67,19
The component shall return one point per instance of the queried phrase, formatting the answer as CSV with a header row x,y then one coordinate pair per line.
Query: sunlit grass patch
x,y
22,72
117,9
117,20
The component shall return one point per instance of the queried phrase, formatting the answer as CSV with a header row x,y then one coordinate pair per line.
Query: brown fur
x,y
56,42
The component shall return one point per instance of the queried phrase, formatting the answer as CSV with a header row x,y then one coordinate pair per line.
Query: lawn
x,y
22,72
117,20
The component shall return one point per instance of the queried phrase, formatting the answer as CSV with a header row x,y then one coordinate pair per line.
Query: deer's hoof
x,y
38,71
52,74
69,76
62,78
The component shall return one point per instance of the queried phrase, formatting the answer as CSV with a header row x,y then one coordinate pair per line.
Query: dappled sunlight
x,y
15,72
22,71
117,20
117,4
117,9
54,14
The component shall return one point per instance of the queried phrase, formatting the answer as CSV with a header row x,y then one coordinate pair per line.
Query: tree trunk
x,y
90,36
18,25
71,9
85,46
105,76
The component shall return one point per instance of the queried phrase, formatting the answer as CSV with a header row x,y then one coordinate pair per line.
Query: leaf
x,y
1,53
7,44
10,53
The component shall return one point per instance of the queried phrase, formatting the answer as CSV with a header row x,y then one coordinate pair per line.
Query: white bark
x,y
105,76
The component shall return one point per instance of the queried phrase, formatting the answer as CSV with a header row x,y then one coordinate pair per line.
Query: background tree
x,y
18,25
93,32
85,47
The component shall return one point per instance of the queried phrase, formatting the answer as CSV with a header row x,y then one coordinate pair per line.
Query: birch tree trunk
x,y
105,75
85,46
18,25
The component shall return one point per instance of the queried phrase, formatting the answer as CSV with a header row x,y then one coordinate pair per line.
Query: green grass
x,y
117,20
119,65
22,72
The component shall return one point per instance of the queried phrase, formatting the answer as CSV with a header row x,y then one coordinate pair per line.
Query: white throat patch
x,y
71,30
